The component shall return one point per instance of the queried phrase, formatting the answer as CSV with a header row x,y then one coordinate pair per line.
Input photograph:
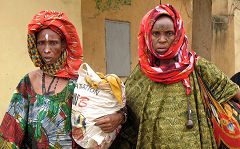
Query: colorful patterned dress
x,y
158,112
38,121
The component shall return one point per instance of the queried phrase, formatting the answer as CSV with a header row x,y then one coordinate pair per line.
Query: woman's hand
x,y
110,122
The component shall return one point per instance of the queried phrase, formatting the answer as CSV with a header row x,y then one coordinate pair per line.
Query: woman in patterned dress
x,y
163,94
39,115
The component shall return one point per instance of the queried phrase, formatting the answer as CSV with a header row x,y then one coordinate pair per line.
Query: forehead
x,y
50,33
163,22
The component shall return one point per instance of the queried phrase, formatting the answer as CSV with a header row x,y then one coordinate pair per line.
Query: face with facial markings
x,y
50,46
163,34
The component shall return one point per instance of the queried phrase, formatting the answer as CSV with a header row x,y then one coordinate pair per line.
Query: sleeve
x,y
14,123
221,87
127,138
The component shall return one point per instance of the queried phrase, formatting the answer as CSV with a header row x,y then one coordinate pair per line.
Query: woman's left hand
x,y
110,122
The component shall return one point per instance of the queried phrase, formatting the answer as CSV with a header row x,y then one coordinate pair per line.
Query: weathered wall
x,y
223,49
14,60
94,33
202,28
216,33
237,39
94,30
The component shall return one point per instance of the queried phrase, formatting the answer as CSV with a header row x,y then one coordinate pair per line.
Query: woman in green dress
x,y
163,94
39,115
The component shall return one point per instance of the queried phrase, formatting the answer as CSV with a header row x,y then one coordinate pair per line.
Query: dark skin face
x,y
50,46
163,34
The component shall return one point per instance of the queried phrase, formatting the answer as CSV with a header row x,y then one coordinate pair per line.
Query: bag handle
x,y
207,96
85,69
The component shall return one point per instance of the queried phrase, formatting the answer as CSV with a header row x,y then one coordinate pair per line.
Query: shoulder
x,y
137,77
35,77
204,66
136,73
36,74
25,80
72,84
24,86
33,81
202,62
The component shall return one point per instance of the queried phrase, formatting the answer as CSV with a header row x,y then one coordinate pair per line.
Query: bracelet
x,y
124,112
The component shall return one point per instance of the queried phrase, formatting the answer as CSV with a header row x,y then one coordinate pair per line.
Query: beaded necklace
x,y
48,92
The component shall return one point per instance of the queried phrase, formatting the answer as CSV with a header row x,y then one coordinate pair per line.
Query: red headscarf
x,y
69,62
147,55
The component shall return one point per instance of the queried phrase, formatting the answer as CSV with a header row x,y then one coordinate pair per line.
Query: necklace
x,y
189,123
48,92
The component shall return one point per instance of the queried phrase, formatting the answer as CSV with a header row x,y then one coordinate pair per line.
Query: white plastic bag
x,y
91,102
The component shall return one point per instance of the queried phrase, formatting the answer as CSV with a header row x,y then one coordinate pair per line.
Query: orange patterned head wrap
x,y
147,55
70,60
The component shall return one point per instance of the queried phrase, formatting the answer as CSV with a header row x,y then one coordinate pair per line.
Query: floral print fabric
x,y
38,121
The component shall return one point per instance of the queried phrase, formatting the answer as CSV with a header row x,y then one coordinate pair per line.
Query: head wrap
x,y
68,63
147,55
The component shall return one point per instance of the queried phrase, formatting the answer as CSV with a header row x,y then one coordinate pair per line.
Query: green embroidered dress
x,y
38,121
159,111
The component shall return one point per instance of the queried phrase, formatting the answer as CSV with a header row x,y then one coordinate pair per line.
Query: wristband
x,y
124,112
